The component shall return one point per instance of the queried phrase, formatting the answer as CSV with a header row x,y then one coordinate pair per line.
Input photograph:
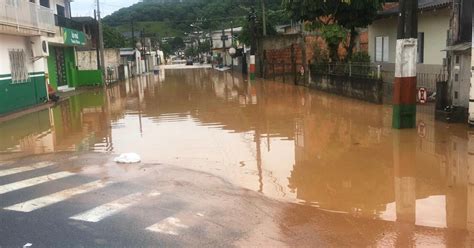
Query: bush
x,y
360,57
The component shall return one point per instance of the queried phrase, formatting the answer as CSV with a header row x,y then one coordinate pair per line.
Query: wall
x,y
87,60
434,24
19,96
370,90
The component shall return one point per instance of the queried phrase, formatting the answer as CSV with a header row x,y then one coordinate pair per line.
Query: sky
x,y
86,7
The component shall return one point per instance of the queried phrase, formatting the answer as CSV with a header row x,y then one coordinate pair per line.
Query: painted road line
x,y
33,181
48,200
17,170
173,225
101,212
170,226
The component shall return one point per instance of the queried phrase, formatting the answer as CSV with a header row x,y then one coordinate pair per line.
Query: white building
x,y
222,41
24,28
433,26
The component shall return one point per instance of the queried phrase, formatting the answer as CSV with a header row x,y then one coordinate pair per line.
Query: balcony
x,y
20,16
64,22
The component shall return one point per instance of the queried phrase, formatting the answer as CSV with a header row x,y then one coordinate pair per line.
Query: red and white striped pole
x,y
404,88
252,67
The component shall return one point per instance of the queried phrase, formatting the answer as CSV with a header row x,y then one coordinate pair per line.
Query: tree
x,y
112,38
246,33
176,44
348,14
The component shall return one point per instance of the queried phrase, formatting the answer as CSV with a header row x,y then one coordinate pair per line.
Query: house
x,y
63,72
24,30
222,41
433,26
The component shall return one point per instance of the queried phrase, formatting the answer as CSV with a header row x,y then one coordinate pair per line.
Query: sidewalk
x,y
63,97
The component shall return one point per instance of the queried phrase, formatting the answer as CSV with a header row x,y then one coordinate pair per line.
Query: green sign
x,y
74,37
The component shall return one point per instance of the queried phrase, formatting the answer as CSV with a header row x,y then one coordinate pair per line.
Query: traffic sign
x,y
422,95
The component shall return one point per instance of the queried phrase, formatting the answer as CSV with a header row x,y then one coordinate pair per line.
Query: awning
x,y
458,48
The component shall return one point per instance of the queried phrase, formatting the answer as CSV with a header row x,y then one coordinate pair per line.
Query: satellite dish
x,y
232,51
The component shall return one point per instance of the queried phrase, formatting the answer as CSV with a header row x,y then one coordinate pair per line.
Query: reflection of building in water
x,y
80,123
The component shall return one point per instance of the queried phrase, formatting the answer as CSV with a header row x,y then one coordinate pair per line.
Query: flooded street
x,y
335,164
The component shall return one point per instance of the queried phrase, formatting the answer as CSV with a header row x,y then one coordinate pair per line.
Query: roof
x,y
459,47
422,5
84,19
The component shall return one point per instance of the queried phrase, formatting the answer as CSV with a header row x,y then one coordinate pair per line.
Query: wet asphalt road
x,y
206,210
231,163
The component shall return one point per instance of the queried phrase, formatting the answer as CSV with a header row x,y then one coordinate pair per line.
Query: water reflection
x,y
287,142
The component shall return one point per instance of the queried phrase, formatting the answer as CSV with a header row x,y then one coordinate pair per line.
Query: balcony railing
x,y
23,14
64,22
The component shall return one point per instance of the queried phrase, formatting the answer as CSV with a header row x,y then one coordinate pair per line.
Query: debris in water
x,y
128,158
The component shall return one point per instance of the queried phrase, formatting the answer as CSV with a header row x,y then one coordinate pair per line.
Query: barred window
x,y
18,66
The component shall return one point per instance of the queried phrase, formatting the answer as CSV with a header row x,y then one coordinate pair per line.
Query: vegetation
x,y
172,19
326,14
113,38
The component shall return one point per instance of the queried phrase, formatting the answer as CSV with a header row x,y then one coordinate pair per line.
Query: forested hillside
x,y
173,18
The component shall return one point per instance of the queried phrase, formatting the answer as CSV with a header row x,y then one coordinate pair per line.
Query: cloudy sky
x,y
86,7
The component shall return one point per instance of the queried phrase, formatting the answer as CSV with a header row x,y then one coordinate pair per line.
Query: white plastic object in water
x,y
128,158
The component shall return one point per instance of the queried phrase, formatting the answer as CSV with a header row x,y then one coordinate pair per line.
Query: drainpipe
x,y
404,91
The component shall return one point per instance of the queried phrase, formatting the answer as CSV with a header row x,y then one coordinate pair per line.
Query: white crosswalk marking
x,y
99,213
169,226
44,201
17,170
33,181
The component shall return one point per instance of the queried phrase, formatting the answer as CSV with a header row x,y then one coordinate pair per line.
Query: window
x,y
421,48
18,66
381,49
61,11
44,3
457,59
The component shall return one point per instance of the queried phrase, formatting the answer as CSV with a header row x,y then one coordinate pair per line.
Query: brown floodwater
x,y
289,143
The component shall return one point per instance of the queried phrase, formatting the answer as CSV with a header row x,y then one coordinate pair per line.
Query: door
x,y
60,66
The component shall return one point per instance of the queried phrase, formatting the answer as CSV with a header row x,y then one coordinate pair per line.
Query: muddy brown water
x,y
289,143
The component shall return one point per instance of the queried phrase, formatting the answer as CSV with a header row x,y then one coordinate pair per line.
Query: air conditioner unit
x,y
39,46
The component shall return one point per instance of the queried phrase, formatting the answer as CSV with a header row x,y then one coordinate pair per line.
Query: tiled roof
x,y
422,5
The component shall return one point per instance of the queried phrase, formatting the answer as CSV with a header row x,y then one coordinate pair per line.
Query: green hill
x,y
173,18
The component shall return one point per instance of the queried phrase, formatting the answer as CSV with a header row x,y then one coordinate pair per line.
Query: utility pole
x,y
223,38
471,95
232,42
253,45
133,33
101,46
264,18
144,50
404,91
97,50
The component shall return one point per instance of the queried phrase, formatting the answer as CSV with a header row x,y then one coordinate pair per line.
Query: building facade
x,y
37,41
24,28
433,26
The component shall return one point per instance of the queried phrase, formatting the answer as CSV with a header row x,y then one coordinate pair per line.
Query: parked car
x,y
189,62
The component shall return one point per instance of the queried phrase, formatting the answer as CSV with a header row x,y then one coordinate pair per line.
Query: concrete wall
x,y
434,24
87,60
370,90
17,42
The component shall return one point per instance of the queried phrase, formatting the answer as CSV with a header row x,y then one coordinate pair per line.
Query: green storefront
x,y
18,96
62,68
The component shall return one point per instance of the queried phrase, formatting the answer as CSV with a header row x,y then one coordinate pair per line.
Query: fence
x,y
356,70
284,71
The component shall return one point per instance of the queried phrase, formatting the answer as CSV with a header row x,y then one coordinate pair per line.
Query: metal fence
x,y
425,80
357,70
